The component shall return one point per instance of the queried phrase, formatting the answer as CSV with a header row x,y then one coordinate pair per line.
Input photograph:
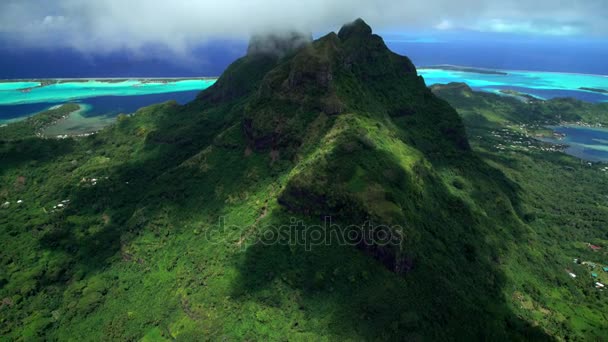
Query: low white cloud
x,y
53,20
444,25
100,25
526,27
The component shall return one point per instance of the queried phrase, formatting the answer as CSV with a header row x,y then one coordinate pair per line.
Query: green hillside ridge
x,y
159,226
480,108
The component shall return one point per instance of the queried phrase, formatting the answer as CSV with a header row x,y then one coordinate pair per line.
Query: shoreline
x,y
74,115
581,125
576,149
437,67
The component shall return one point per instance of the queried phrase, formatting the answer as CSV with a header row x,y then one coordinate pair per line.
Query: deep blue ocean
x,y
582,56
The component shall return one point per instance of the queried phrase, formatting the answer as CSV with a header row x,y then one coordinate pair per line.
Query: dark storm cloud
x,y
178,24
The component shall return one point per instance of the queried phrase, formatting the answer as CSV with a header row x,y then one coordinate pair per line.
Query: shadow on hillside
x,y
102,218
34,150
147,193
454,289
455,286
489,182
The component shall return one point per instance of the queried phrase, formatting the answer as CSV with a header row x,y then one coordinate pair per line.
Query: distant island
x,y
465,69
596,90
519,95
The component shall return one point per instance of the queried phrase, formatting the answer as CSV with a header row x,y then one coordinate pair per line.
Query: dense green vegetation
x,y
483,109
565,204
35,124
155,228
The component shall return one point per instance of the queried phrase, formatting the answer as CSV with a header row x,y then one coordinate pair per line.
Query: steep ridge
x,y
358,121
367,141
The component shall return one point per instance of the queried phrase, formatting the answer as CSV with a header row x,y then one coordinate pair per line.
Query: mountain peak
x,y
352,73
356,28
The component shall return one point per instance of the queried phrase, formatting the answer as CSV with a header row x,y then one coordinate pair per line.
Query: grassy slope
x,y
141,255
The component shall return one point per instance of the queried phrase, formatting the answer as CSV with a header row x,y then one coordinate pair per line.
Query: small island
x,y
465,69
595,90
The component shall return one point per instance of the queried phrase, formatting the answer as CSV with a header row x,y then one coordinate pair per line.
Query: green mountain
x,y
318,191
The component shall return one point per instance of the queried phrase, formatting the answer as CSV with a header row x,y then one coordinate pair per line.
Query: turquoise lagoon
x,y
103,99
100,100
10,86
544,85
15,93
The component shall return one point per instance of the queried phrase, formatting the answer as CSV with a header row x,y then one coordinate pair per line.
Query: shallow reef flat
x,y
544,85
64,90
